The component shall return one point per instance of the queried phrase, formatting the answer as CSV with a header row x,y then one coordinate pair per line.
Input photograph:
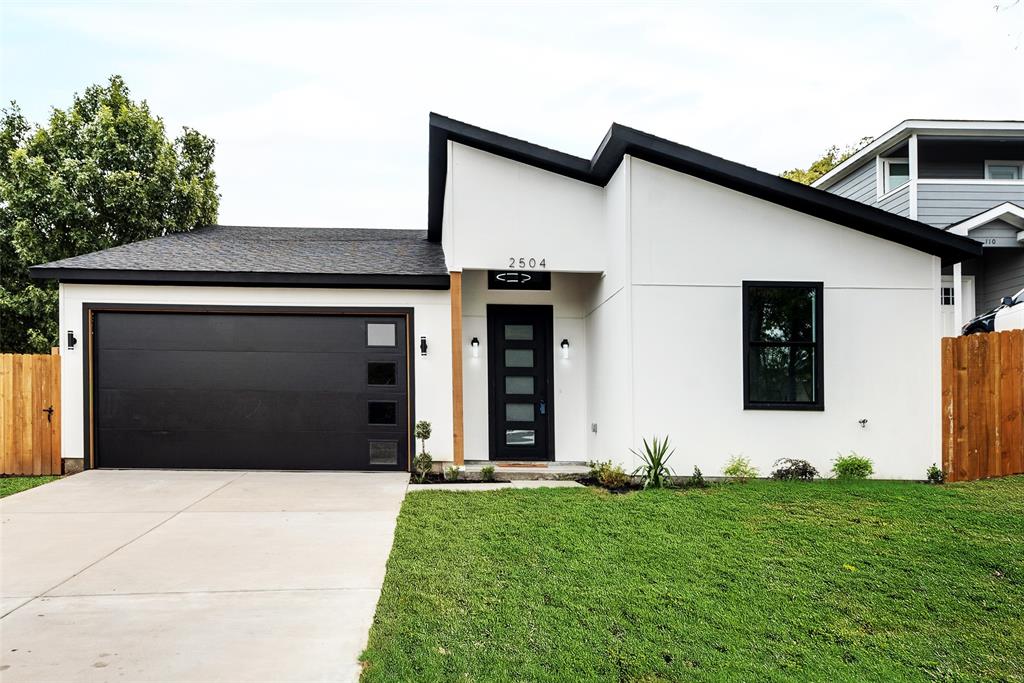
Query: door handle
x,y
543,408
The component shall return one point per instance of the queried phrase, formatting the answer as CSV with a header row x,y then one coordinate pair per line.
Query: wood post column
x,y
456,300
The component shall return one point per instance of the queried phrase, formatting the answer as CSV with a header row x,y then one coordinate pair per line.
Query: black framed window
x,y
782,346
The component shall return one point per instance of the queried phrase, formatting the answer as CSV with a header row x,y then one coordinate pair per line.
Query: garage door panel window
x,y
382,413
381,373
782,364
380,334
383,452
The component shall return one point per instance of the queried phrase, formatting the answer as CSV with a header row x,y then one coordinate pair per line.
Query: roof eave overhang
x,y
622,140
902,131
243,279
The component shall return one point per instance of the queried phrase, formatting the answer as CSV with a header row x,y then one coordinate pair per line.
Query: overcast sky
x,y
320,110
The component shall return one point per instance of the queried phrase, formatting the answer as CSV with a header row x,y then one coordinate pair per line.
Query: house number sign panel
x,y
518,279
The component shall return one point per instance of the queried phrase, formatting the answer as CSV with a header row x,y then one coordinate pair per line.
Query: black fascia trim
x,y
199,278
621,140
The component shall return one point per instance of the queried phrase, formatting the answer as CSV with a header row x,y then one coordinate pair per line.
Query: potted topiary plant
x,y
423,463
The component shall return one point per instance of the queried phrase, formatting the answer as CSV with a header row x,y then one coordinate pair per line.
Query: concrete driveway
x,y
130,575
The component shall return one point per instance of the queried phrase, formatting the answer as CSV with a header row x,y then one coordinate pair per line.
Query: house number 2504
x,y
526,262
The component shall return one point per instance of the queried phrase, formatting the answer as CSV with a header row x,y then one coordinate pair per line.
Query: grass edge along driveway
x,y
11,485
767,581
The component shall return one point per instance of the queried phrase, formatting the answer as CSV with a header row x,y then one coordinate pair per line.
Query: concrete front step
x,y
494,486
528,471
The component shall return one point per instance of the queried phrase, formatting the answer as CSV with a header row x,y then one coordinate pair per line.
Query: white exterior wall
x,y
500,210
693,244
431,319
660,347
568,299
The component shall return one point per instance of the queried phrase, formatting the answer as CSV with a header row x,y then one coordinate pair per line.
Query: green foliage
x,y
832,157
451,473
792,469
487,473
738,583
852,466
608,475
654,471
422,432
935,475
697,479
421,466
10,485
100,173
739,469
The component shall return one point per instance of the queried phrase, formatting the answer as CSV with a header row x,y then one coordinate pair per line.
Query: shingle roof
x,y
264,255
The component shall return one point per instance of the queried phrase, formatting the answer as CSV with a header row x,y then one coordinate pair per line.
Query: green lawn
x,y
9,485
870,581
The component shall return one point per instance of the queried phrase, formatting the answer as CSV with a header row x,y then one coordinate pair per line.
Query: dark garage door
x,y
251,391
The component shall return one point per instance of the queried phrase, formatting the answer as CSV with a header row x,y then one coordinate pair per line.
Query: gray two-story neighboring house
x,y
966,177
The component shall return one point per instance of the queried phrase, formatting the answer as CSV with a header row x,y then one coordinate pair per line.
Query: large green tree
x,y
100,173
832,157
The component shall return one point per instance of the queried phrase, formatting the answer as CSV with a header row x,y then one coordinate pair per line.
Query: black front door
x,y
521,411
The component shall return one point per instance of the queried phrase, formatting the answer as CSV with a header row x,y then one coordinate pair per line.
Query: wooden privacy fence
x,y
983,405
30,414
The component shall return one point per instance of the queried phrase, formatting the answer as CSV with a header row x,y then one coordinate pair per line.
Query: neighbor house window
x,y
947,296
895,174
782,351
1004,170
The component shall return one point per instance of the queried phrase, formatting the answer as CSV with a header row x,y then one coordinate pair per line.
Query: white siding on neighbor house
x,y
567,297
941,204
693,244
432,319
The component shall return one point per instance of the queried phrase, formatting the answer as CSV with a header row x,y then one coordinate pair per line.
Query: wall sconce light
x,y
475,346
71,340
423,346
565,348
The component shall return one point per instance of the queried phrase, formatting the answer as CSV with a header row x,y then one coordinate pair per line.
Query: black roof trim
x,y
621,140
221,278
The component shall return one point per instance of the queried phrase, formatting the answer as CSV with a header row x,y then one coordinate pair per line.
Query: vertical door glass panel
x,y
520,437
380,334
518,358
519,332
519,412
383,452
519,385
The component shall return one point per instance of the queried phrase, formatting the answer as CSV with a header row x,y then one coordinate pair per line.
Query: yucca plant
x,y
654,471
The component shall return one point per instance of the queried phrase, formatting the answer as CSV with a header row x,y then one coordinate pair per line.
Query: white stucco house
x,y
555,309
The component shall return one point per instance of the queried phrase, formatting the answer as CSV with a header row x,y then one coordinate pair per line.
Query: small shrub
x,y
852,466
608,475
935,475
422,432
451,473
487,473
421,466
697,480
654,471
740,470
791,469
